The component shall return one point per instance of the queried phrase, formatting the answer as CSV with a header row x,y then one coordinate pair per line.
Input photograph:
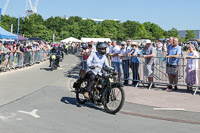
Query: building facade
x,y
182,33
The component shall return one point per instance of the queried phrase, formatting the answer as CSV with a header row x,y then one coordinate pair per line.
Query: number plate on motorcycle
x,y
53,56
111,80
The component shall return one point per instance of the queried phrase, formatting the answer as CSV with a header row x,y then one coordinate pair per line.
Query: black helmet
x,y
101,47
84,46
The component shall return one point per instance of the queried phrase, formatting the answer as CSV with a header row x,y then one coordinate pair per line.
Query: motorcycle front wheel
x,y
113,99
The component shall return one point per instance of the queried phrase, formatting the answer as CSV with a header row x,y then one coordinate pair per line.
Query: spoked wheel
x,y
113,100
80,93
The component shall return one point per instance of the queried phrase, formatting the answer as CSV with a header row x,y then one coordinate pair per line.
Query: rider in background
x,y
85,54
66,48
95,59
55,50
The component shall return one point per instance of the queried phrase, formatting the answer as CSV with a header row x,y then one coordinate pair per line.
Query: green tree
x,y
110,29
154,31
172,33
36,26
87,28
55,23
189,35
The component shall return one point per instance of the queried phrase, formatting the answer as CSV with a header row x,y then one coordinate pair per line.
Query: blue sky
x,y
181,14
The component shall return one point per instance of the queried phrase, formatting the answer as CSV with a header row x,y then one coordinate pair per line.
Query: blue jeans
x,y
116,65
125,67
136,76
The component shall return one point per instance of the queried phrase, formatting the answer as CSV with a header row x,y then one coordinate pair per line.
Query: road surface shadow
x,y
73,101
73,73
46,69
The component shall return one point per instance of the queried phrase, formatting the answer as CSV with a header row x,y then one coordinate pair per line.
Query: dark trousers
x,y
91,77
66,51
125,67
135,70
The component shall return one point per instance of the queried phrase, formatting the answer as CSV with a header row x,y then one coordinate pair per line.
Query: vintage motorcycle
x,y
106,90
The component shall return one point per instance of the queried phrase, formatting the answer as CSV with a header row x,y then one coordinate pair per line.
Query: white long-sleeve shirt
x,y
96,60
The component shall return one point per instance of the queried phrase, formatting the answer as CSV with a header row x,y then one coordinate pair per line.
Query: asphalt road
x,y
36,100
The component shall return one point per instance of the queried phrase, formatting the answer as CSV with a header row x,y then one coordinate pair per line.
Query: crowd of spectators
x,y
124,57
13,54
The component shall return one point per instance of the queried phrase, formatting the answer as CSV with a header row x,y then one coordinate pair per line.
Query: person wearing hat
x,y
115,59
129,42
125,61
148,53
5,54
19,51
107,51
135,62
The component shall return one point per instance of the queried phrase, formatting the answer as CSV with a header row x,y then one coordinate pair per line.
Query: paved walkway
x,y
162,99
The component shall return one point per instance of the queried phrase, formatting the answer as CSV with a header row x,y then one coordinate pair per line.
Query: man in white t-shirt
x,y
115,59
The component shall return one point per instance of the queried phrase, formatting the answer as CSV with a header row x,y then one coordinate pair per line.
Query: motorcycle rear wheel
x,y
80,92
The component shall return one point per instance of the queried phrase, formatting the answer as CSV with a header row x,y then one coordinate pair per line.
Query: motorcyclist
x,y
95,59
61,50
66,48
56,51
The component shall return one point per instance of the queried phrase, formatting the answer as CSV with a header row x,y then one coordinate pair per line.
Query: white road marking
x,y
2,117
19,119
61,68
32,113
12,115
173,109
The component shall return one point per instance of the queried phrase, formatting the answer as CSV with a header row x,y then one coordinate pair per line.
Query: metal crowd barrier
x,y
159,72
19,60
140,72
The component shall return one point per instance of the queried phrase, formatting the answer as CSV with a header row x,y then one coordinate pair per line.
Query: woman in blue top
x,y
135,63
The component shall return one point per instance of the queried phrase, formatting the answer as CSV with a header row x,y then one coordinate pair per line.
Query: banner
x,y
53,38
0,15
11,28
18,28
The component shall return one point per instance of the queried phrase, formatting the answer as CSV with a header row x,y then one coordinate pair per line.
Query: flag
x,y
23,18
18,28
0,15
53,38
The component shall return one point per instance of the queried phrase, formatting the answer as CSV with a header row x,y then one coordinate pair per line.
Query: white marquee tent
x,y
95,39
70,39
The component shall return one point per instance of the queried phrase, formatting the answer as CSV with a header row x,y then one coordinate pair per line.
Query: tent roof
x,y
6,35
70,39
95,39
